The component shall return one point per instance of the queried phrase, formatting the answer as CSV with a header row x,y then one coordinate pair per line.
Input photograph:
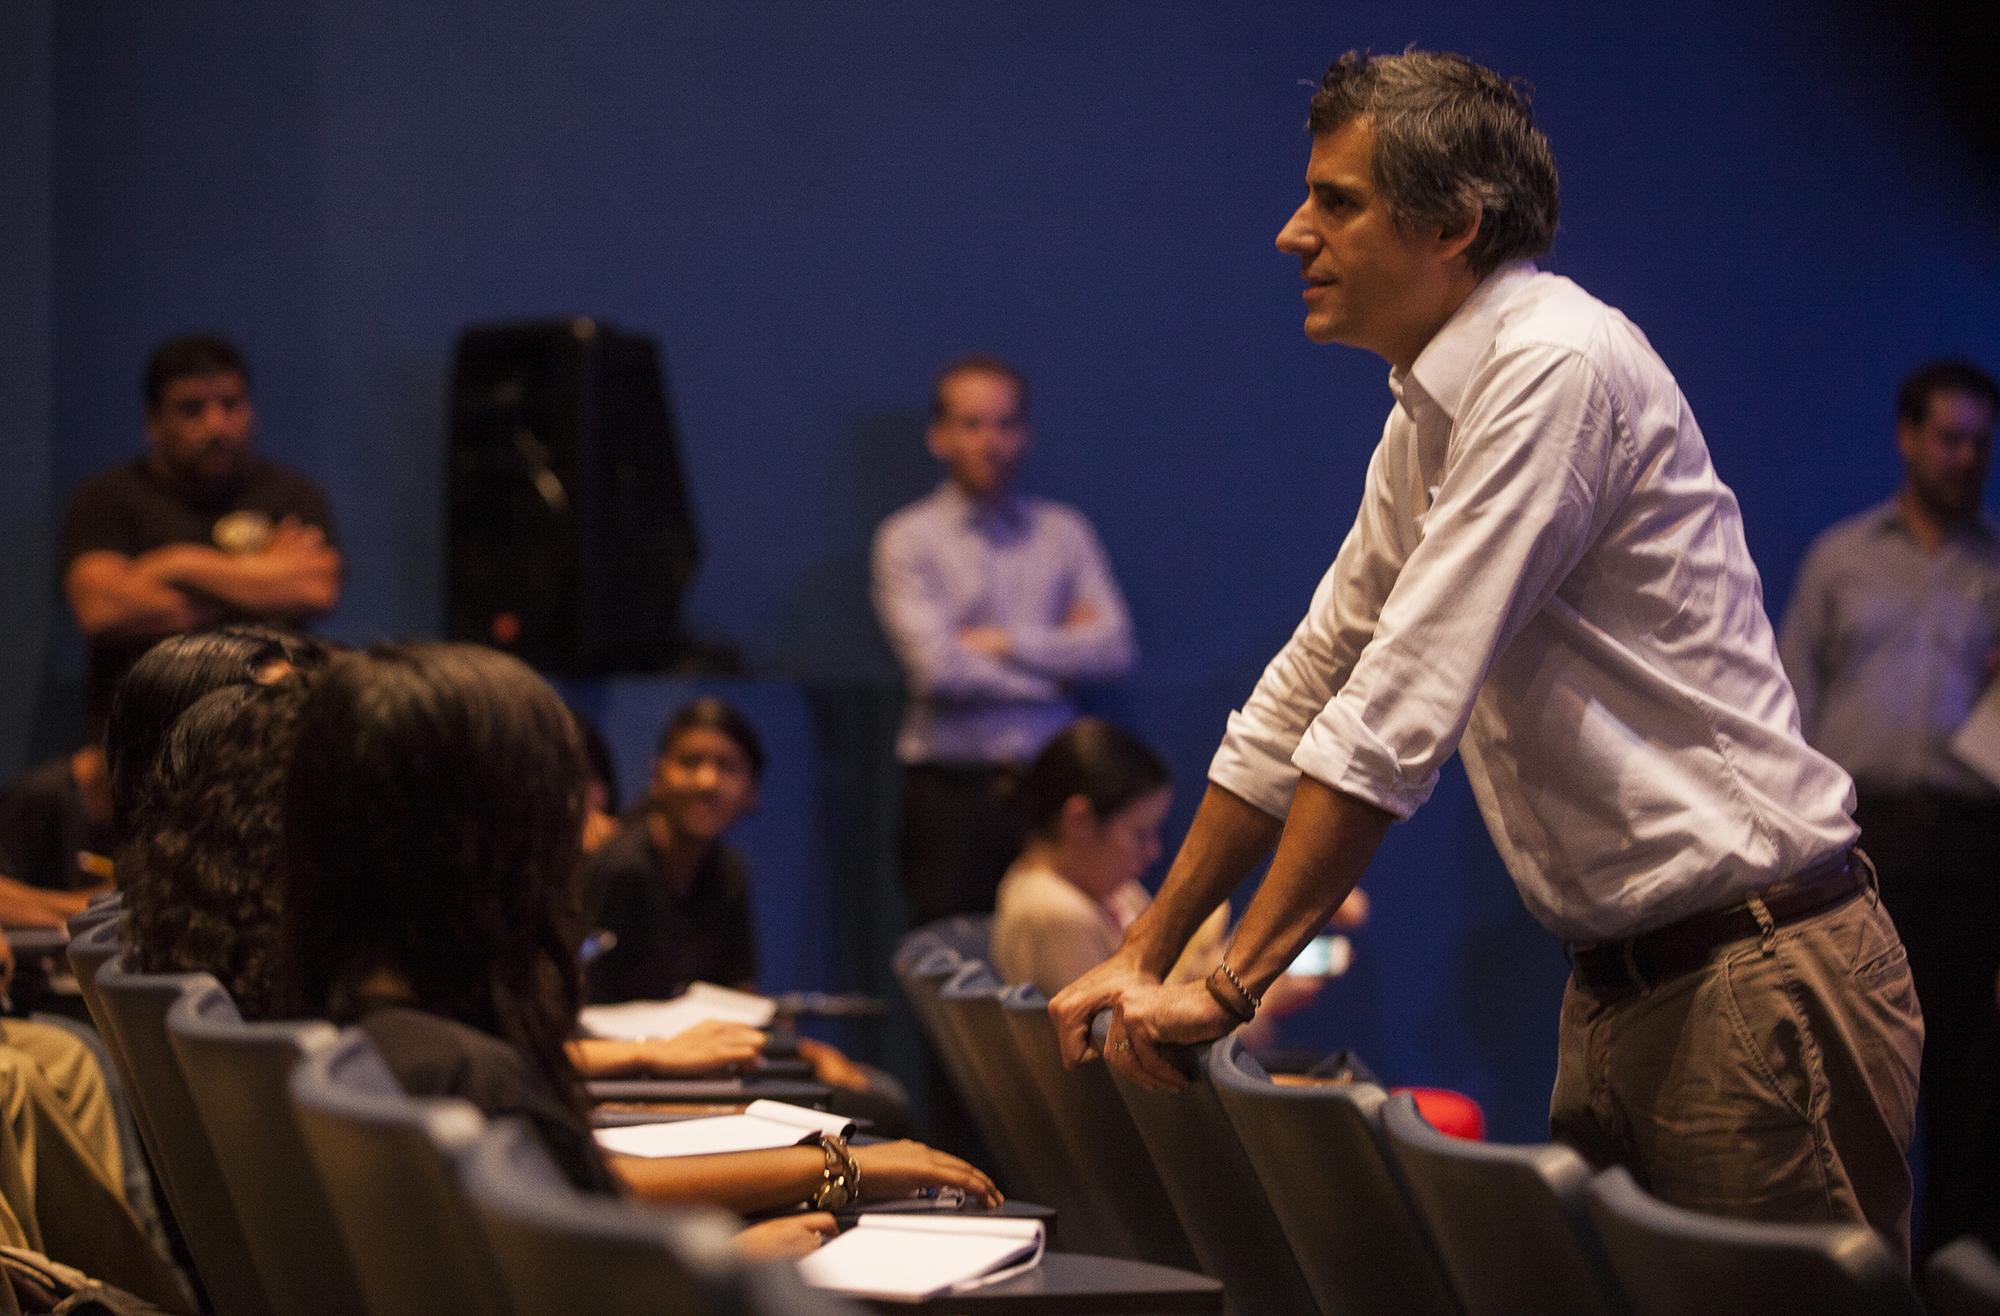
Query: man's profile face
x,y
1367,281
1946,455
201,428
982,435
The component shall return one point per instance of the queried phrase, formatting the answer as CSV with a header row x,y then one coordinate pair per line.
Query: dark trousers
x,y
961,829
1939,858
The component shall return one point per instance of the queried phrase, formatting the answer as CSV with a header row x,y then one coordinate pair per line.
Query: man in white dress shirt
x,y
1546,572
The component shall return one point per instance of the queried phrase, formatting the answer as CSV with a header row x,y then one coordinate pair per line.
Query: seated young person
x,y
432,818
671,892
1095,799
675,898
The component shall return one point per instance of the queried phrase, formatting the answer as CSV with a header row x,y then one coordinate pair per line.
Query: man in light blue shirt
x,y
997,606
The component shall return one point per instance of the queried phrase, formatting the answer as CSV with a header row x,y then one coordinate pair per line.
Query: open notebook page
x,y
899,1258
762,1126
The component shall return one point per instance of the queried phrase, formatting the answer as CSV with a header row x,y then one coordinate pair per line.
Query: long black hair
x,y
1105,764
200,874
433,815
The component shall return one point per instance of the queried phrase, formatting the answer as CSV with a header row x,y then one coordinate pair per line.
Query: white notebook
x,y
1977,743
636,1020
902,1258
762,1126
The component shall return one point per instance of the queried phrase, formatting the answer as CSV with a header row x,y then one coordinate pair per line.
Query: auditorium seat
x,y
135,1007
969,936
1214,1190
389,1163
1317,1150
1962,1278
1089,1130
922,978
1669,1261
237,1074
1510,1223
560,1250
90,948
969,1007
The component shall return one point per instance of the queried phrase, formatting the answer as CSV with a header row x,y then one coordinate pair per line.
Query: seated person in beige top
x,y
1095,799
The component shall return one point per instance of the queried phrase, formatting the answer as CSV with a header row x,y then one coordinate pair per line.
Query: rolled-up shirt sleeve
x,y
1254,761
1097,647
924,635
1526,471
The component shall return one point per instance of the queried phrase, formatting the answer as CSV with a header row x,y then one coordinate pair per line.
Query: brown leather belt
x,y
1614,970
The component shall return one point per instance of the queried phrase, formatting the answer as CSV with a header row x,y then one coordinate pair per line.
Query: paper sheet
x,y
901,1258
762,1126
636,1020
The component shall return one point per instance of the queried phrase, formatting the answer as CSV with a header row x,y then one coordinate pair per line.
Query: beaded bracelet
x,y
840,1179
1237,1002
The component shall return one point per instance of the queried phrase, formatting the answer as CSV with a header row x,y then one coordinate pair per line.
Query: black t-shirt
x,y
43,824
665,941
432,1056
131,509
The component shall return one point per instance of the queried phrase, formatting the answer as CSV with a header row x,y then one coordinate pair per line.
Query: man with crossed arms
x,y
1546,571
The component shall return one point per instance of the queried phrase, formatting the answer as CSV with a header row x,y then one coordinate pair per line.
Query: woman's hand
x,y
710,1047
831,1067
904,1169
785,1238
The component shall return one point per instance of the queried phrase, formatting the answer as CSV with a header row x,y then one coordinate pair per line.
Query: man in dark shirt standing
x,y
1892,635
198,531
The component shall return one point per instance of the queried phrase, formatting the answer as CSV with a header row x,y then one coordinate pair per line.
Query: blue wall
x,y
810,206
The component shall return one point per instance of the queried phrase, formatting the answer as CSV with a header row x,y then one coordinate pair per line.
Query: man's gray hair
x,y
1451,137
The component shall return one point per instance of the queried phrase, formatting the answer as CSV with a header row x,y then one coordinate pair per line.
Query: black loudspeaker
x,y
570,535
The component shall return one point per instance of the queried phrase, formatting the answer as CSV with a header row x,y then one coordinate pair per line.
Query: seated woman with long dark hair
x,y
433,815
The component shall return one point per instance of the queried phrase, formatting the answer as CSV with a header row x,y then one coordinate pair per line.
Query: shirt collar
x,y
1444,367
1006,512
1889,516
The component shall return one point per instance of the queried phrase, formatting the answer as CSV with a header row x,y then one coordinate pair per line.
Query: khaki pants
x,y
1778,1082
61,1181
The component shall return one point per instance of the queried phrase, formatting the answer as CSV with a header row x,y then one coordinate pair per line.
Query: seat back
x,y
969,936
1111,1175
923,979
1510,1222
969,1008
91,946
1317,1150
1962,1278
136,1006
1672,1260
101,908
389,1163
562,1250
237,1075
1213,1189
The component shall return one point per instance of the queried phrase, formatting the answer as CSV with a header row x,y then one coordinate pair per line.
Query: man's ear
x,y
1906,439
1453,242
934,439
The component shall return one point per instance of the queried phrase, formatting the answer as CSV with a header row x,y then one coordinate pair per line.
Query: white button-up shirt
x,y
1546,570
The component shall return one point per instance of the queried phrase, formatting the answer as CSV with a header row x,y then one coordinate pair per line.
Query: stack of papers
x,y
901,1258
634,1021
762,1126
1977,743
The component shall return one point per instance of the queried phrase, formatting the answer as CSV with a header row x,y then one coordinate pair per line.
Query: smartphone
x,y
1325,956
